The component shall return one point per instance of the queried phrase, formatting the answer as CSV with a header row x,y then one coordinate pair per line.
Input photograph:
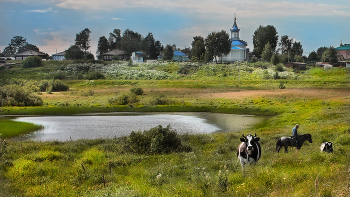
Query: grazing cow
x,y
327,147
249,151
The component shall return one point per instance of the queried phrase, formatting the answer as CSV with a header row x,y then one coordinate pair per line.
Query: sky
x,y
52,25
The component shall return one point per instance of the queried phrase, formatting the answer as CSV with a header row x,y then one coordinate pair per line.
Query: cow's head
x,y
249,139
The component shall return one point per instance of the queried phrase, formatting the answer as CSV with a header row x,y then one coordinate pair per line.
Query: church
x,y
239,50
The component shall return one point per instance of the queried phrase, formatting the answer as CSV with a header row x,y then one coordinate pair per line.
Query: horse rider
x,y
295,133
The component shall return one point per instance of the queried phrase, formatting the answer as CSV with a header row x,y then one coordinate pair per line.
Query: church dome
x,y
234,27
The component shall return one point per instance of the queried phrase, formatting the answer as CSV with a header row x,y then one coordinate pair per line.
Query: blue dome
x,y
234,27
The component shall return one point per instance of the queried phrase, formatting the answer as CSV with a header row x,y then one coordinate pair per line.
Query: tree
x,y
198,49
217,44
275,59
330,55
115,39
102,46
267,52
297,49
28,47
18,42
158,47
285,44
82,40
74,53
320,52
9,50
149,47
313,56
262,36
168,52
130,42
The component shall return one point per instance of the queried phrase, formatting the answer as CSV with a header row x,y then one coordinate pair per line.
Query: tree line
x,y
267,47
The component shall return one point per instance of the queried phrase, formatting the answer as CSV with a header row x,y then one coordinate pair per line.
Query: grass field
x,y
319,101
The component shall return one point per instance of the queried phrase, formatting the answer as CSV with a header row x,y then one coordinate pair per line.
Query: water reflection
x,y
93,126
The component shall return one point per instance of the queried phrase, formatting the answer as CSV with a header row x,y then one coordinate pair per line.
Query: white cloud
x,y
201,8
118,19
41,11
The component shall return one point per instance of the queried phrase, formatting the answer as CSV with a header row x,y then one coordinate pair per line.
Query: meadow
x,y
316,99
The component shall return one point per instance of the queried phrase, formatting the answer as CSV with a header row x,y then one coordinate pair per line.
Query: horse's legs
x,y
286,149
278,148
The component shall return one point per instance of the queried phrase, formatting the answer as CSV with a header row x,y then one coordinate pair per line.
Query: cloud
x,y
202,8
118,19
40,11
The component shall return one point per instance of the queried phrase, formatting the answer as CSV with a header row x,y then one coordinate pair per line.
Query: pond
x,y
110,125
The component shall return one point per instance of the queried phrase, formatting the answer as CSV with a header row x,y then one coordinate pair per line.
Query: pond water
x,y
93,126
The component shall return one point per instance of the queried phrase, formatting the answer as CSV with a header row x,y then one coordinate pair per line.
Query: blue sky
x,y
52,24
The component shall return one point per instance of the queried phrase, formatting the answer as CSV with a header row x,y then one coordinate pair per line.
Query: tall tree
x,y
267,52
262,36
285,44
28,47
148,46
217,44
168,52
102,47
158,48
320,52
18,42
195,39
74,53
313,56
198,51
130,42
330,55
82,40
115,39
297,49
9,50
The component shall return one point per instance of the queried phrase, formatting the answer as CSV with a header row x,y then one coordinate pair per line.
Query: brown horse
x,y
289,141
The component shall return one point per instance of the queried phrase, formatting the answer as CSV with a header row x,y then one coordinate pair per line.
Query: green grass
x,y
10,128
105,167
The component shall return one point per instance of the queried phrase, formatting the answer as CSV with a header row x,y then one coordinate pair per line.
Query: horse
x,y
289,141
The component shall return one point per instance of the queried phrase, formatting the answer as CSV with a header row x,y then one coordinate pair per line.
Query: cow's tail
x,y
278,145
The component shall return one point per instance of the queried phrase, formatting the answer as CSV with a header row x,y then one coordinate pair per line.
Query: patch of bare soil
x,y
303,93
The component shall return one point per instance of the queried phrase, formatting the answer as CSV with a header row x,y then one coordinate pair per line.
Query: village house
x,y
59,56
343,52
25,54
137,56
115,52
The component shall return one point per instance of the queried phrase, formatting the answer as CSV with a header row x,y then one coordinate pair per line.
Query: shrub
x,y
32,61
95,75
160,100
155,141
137,91
15,95
279,68
123,99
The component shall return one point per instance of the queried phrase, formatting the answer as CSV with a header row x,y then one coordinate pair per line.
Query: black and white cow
x,y
249,151
327,147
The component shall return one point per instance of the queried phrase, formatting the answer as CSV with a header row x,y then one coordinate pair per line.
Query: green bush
x,y
32,61
15,95
94,75
279,68
123,99
155,141
52,86
137,91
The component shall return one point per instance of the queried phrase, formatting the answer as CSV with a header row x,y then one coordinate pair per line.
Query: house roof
x,y
343,47
30,53
179,53
235,47
114,52
238,43
59,54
